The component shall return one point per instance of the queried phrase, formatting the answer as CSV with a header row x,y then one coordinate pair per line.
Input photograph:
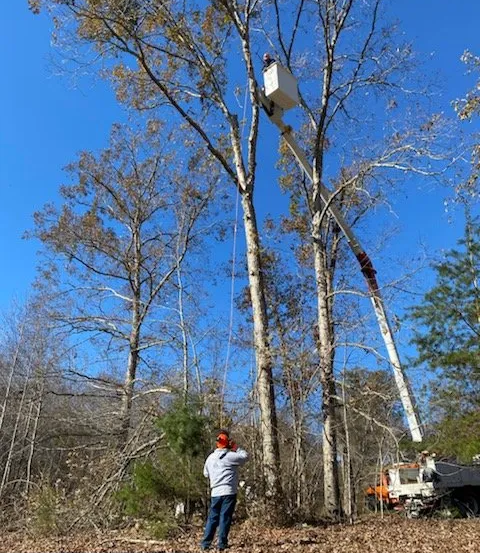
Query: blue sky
x,y
47,119
45,122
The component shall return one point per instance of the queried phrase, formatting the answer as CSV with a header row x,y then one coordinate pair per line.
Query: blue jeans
x,y
220,515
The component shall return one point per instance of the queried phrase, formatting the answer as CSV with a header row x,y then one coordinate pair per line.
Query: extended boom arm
x,y
275,113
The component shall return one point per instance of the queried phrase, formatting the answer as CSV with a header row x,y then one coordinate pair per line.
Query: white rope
x,y
234,256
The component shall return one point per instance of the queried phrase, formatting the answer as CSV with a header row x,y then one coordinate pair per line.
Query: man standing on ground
x,y
221,467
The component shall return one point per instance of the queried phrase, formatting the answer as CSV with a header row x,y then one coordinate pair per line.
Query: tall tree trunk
x,y
299,458
3,407
133,354
33,436
129,382
325,351
349,499
15,430
183,330
18,469
266,396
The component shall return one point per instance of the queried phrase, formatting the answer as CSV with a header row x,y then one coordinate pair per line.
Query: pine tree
x,y
447,338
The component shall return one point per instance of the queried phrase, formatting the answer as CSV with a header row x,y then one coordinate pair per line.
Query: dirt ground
x,y
393,534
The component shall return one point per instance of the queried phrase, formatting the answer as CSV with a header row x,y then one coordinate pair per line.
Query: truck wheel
x,y
468,506
371,503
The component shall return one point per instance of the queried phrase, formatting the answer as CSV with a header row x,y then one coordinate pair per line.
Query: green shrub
x,y
175,474
44,510
185,429
142,496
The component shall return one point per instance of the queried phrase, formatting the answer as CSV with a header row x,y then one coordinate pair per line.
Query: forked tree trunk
x,y
129,381
266,396
325,350
134,342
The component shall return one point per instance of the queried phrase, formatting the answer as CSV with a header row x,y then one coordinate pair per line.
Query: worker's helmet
x,y
223,439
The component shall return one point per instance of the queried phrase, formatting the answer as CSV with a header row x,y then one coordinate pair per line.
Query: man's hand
x,y
232,445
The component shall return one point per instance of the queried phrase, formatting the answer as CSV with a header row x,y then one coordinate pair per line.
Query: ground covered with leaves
x,y
368,535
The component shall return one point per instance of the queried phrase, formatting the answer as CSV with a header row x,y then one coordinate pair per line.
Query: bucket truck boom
x,y
280,93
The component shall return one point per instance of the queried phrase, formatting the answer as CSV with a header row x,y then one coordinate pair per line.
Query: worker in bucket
x,y
267,60
221,467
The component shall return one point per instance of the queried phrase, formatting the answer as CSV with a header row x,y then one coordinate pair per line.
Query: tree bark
x,y
33,436
15,430
133,356
325,350
299,458
266,396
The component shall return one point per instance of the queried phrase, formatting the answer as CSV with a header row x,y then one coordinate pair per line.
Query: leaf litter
x,y
372,535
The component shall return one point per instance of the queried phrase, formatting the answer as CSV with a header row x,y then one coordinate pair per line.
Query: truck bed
x,y
452,475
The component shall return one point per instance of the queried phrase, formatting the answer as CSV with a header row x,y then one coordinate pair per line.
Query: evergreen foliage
x,y
143,495
175,474
447,335
185,429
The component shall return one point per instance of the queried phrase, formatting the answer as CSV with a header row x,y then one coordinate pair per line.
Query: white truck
x,y
434,486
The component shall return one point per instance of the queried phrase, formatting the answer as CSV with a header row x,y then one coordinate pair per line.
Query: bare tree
x,y
128,221
26,348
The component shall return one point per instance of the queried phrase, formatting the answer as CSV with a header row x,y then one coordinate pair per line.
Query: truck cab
x,y
430,485
408,481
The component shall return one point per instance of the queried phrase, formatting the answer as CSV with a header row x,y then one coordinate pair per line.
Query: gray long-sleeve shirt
x,y
221,467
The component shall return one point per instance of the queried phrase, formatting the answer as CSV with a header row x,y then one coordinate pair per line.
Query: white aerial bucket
x,y
280,86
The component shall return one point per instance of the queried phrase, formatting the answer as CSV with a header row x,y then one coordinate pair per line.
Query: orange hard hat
x,y
223,439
